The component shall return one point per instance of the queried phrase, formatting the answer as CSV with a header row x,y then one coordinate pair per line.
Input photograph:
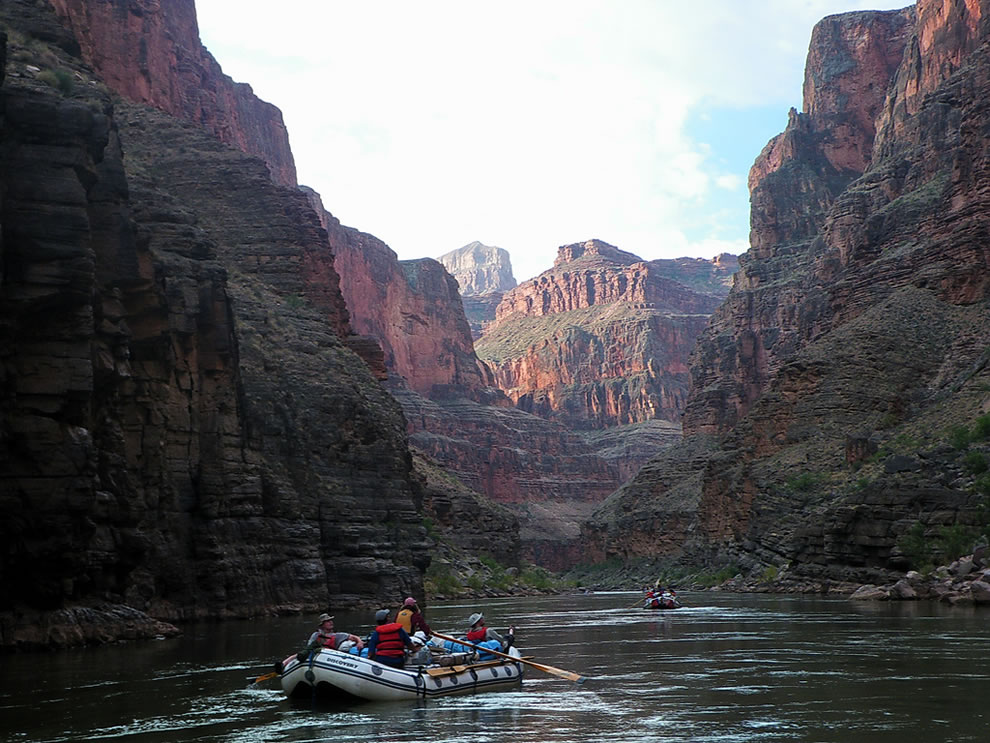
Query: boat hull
x,y
329,674
664,604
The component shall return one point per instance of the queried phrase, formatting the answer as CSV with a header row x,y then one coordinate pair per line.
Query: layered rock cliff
x,y
149,51
855,335
479,269
549,478
184,434
411,308
603,338
483,274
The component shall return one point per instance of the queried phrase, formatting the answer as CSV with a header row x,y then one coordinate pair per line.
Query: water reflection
x,y
725,668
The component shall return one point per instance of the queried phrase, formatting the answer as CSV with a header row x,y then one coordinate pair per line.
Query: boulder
x,y
871,592
980,590
903,590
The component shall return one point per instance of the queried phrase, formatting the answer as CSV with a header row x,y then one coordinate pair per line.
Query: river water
x,y
726,667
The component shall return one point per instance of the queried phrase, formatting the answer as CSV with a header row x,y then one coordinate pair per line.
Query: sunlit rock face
x,y
603,338
411,308
857,321
479,269
149,51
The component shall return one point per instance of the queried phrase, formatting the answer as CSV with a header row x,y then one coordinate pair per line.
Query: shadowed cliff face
x,y
548,477
183,432
149,52
857,322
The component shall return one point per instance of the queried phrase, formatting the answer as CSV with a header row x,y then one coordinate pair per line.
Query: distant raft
x,y
666,601
332,674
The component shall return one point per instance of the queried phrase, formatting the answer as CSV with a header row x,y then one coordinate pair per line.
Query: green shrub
x,y
718,577
803,483
976,462
981,429
959,437
982,485
59,79
954,541
440,579
538,578
915,547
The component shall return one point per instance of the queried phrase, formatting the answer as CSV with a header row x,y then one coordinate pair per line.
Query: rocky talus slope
x,y
855,337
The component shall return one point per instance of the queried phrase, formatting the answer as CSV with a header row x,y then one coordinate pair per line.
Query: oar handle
x,y
569,675
465,643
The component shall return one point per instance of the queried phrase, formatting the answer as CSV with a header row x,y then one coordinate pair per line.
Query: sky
x,y
529,124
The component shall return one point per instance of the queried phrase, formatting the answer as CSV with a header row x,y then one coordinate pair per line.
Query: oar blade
x,y
264,677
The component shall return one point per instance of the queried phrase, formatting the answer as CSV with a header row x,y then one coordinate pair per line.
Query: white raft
x,y
331,673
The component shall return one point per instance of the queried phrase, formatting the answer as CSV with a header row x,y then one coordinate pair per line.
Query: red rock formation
x,y
411,308
602,339
548,476
149,51
946,32
859,313
589,274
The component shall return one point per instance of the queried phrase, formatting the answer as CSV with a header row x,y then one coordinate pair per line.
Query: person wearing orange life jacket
x,y
411,618
388,641
325,637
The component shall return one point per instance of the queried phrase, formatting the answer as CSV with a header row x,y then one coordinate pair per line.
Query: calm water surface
x,y
727,667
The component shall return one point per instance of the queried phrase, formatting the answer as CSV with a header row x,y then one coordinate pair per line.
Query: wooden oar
x,y
569,675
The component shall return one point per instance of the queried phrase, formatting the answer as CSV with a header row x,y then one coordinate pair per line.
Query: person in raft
x,y
388,641
411,618
479,633
325,637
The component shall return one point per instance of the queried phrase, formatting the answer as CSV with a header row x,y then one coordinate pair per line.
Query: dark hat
x,y
381,615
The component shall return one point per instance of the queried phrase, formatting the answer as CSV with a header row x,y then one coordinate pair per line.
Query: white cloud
x,y
526,125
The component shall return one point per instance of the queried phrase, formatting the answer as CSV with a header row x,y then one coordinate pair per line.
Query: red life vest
x,y
327,640
477,635
389,643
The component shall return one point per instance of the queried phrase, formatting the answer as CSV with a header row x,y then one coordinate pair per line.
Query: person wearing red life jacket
x,y
480,633
388,641
325,637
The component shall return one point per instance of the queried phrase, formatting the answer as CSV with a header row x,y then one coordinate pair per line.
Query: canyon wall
x,y
479,269
184,433
603,338
854,337
149,51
